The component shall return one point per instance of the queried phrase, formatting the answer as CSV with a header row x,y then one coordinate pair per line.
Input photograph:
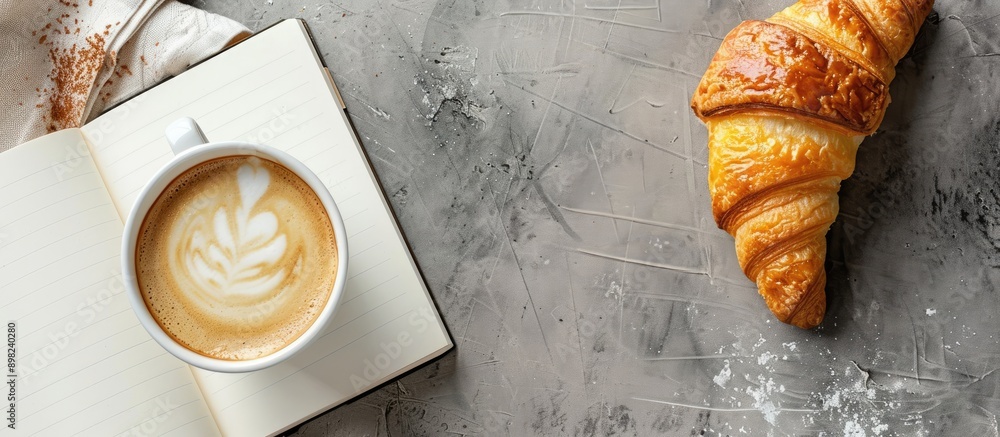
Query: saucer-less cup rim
x,y
192,148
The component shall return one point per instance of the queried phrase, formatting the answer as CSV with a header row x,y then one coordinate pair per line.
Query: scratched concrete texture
x,y
551,179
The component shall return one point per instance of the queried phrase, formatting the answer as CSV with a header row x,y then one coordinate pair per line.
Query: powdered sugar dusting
x,y
854,429
724,375
854,397
762,398
766,358
850,404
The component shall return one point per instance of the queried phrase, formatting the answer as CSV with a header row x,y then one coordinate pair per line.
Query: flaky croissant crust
x,y
786,102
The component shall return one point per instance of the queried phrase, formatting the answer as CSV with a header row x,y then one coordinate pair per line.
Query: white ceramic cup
x,y
191,148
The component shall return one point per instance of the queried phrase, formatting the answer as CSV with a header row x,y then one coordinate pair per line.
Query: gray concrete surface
x,y
551,179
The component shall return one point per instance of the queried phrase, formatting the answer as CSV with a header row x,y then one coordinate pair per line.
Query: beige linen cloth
x,y
62,62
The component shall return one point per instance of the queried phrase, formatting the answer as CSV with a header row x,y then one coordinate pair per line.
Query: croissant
x,y
787,101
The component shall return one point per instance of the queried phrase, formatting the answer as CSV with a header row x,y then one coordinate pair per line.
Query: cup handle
x,y
184,134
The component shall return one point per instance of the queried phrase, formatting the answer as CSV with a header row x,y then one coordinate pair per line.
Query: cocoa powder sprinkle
x,y
72,76
74,67
121,71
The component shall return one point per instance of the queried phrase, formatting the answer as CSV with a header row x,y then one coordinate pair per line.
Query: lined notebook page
x,y
84,364
271,89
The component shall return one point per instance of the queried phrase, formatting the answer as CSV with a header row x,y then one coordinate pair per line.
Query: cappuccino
x,y
236,258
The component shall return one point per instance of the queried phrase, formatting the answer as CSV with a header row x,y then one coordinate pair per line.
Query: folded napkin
x,y
64,61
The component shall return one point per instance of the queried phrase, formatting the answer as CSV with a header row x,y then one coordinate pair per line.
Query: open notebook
x,y
83,362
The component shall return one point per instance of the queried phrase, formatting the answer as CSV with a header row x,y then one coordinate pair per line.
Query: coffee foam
x,y
236,258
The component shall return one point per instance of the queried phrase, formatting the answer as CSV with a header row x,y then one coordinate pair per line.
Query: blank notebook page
x,y
85,364
271,89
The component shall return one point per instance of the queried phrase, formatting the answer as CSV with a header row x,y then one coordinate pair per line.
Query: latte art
x,y
238,252
236,258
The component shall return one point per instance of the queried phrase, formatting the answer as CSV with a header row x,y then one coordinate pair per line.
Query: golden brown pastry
x,y
786,102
